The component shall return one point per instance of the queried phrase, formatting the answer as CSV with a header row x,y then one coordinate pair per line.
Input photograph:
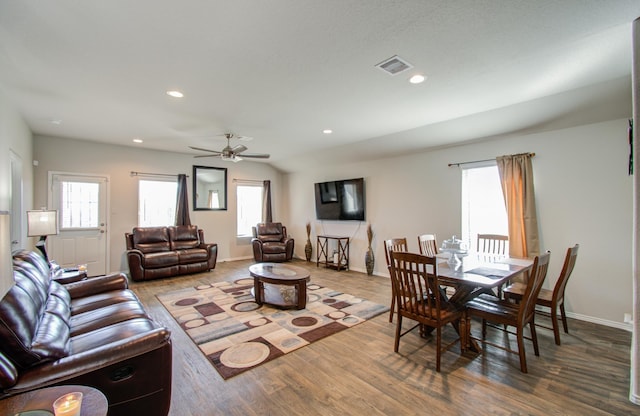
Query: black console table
x,y
326,258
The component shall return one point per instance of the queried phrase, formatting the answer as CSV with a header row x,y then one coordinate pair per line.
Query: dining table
x,y
475,274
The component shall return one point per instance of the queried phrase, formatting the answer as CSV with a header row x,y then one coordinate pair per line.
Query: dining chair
x,y
505,313
428,244
390,245
492,244
552,299
416,289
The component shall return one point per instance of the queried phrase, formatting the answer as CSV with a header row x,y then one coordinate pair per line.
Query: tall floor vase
x,y
369,260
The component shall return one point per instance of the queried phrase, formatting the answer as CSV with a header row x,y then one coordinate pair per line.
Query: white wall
x,y
583,192
67,155
15,136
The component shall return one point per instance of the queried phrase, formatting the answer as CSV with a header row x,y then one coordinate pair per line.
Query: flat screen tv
x,y
341,200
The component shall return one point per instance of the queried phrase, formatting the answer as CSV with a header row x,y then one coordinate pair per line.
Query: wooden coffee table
x,y
281,275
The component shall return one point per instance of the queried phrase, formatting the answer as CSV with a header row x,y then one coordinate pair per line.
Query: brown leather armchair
x,y
271,243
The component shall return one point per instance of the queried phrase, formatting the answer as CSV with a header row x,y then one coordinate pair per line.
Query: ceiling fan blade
x,y
256,155
211,155
204,150
239,149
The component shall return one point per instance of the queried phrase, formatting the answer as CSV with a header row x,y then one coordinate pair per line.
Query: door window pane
x,y
157,203
79,204
483,209
249,202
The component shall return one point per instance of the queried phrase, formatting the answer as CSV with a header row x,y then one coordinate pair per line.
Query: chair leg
x,y
393,307
484,328
398,330
439,347
563,314
534,338
521,353
555,324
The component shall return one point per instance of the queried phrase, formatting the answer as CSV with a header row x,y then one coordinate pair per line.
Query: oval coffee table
x,y
282,275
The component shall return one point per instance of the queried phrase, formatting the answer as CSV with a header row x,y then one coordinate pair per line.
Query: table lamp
x,y
6,259
42,223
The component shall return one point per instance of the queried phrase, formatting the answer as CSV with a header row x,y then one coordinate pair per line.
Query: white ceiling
x,y
281,71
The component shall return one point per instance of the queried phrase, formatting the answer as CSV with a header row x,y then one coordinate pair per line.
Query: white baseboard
x,y
599,321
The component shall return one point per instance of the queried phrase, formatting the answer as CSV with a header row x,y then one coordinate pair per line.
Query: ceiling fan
x,y
231,153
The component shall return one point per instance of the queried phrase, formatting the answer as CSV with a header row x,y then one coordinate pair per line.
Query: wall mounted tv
x,y
341,200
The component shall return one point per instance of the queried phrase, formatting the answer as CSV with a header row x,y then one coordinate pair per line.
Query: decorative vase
x,y
369,260
307,247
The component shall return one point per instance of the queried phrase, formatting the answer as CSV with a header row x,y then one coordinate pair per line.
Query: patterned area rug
x,y
236,334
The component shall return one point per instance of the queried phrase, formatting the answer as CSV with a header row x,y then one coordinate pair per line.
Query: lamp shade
x,y
43,222
6,259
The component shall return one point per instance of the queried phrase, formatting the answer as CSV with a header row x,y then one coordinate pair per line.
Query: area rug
x,y
236,334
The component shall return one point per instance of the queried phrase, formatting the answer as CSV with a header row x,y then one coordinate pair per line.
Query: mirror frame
x,y
198,187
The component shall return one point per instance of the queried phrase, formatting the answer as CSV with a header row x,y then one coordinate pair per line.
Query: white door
x,y
81,201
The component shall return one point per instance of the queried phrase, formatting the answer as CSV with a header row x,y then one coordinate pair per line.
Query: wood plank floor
x,y
356,372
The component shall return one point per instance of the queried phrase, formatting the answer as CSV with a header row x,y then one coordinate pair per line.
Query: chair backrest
x,y
415,285
394,244
492,244
428,244
270,232
536,278
567,268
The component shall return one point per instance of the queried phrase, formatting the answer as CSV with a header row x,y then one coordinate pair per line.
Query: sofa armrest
x,y
95,285
85,362
212,250
135,259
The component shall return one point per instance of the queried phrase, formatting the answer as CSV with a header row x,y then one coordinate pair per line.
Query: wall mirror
x,y
209,188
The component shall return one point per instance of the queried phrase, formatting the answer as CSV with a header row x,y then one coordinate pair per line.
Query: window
x,y
157,202
249,202
483,209
79,204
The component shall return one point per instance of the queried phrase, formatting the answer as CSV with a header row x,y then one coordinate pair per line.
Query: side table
x,y
322,250
94,403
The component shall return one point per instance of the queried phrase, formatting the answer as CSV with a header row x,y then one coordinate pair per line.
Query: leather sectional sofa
x,y
93,332
157,252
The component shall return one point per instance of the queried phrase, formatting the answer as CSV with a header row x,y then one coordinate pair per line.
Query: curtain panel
x,y
516,178
182,205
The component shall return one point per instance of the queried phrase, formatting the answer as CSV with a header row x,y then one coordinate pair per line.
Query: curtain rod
x,y
485,160
252,181
154,174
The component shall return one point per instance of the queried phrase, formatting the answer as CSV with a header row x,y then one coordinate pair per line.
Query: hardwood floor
x,y
356,372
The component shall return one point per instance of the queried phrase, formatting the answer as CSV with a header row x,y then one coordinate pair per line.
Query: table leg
x,y
302,294
258,288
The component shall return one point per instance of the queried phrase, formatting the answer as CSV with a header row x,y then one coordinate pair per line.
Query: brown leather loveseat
x,y
93,332
271,243
157,252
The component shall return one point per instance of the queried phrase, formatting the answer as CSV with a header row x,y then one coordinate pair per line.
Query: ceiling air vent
x,y
394,65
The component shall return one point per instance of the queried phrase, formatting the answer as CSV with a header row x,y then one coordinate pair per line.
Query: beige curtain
x,y
516,177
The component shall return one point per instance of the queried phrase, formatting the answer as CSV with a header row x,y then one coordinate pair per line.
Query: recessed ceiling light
x,y
417,79
175,94
56,122
327,131
136,140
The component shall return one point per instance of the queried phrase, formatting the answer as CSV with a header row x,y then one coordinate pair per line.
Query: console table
x,y
323,256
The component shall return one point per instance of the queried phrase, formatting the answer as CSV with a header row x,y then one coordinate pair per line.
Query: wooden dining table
x,y
477,274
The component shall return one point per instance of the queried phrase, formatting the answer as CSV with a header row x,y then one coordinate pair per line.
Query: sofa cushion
x,y
32,325
193,255
273,248
161,259
151,239
184,237
105,316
